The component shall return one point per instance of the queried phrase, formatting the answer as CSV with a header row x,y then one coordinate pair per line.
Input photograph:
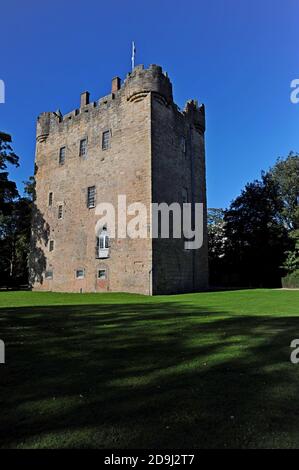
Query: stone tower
x,y
134,142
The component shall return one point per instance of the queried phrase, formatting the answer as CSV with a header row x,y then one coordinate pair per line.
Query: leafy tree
x,y
256,238
7,154
285,175
29,188
8,189
217,243
14,220
291,263
256,242
15,242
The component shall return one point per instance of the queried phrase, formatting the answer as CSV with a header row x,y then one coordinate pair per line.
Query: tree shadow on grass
x,y
151,375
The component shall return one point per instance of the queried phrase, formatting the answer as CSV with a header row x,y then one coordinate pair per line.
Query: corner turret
x,y
142,81
43,127
196,114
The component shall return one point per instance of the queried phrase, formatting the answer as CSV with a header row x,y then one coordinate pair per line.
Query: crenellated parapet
x,y
44,123
142,81
196,115
137,85
43,126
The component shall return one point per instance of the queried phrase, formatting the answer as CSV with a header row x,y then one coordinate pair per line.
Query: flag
x,y
133,54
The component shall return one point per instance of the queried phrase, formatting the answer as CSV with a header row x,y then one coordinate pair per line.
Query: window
x,y
102,274
51,245
62,156
103,244
83,147
80,274
50,199
91,196
105,140
49,275
60,212
104,241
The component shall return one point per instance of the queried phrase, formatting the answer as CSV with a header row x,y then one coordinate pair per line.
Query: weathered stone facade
x,y
154,152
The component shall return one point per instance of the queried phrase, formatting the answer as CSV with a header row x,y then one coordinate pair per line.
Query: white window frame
x,y
47,276
103,244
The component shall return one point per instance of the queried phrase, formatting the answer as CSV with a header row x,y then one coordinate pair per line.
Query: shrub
x,y
291,281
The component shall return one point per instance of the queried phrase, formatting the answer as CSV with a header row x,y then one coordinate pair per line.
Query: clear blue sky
x,y
236,56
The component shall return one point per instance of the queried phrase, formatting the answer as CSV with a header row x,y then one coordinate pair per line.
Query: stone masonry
x,y
134,142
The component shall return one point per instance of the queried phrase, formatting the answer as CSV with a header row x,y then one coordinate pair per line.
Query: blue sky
x,y
237,56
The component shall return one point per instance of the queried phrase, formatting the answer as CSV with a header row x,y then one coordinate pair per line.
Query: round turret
x,y
142,81
43,126
196,115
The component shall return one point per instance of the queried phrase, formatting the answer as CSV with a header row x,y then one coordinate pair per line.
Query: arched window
x,y
103,244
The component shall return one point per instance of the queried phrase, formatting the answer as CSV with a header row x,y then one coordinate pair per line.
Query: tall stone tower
x,y
134,142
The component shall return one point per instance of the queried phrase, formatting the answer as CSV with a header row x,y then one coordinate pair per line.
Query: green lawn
x,y
127,371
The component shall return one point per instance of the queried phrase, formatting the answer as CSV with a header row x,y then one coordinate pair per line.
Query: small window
x,y
50,199
49,275
80,274
62,156
102,275
60,212
105,140
51,245
83,147
91,197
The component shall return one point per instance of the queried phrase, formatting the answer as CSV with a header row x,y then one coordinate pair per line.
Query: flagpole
x,y
133,54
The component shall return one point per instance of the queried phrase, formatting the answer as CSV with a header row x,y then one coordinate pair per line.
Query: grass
x,y
126,371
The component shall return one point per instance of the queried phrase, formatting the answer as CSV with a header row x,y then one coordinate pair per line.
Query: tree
x,y
10,206
7,154
291,263
256,238
217,244
15,243
285,176
8,189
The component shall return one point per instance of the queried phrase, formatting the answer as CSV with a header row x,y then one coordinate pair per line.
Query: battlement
x,y
43,126
196,114
142,81
136,86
